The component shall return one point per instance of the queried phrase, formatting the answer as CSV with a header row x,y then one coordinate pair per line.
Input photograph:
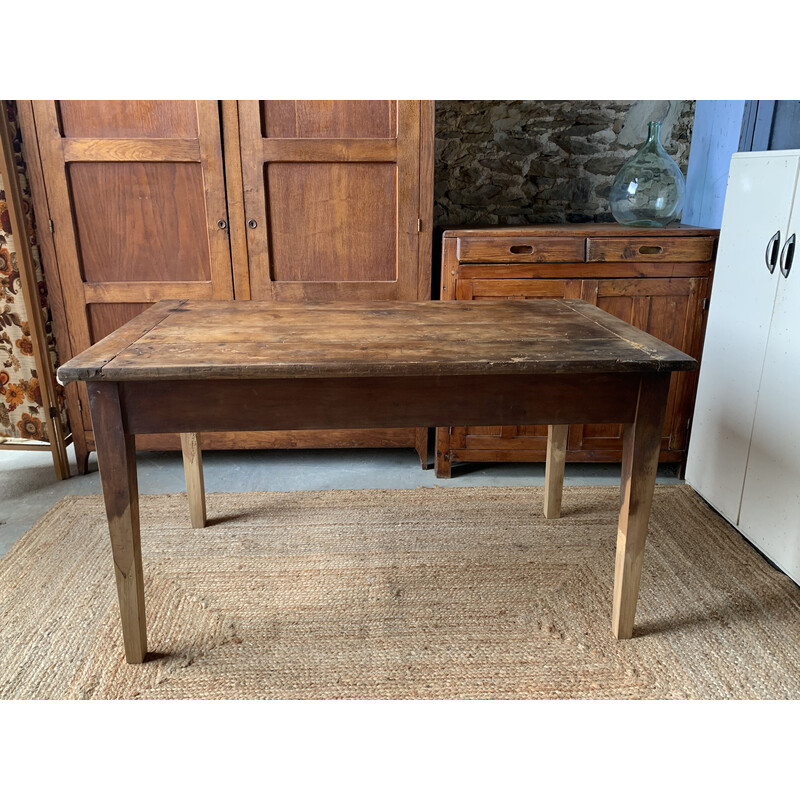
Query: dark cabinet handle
x,y
787,256
771,256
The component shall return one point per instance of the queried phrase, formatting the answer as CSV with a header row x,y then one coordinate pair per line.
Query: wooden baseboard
x,y
575,456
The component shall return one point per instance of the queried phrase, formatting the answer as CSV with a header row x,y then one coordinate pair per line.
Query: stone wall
x,y
535,161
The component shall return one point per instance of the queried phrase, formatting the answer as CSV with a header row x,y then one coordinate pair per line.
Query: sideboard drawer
x,y
651,248
520,250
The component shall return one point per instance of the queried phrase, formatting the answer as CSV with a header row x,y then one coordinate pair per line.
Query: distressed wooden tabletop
x,y
187,339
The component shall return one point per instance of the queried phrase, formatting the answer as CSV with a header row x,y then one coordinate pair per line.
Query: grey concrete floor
x,y
28,485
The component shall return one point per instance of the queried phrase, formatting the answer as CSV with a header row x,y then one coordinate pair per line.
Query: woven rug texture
x,y
393,594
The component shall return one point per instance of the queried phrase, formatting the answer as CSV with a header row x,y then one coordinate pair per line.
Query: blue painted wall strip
x,y
715,138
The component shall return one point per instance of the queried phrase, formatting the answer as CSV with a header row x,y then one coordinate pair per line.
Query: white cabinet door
x,y
757,205
770,512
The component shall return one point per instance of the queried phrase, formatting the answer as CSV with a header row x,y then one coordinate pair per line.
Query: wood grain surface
x,y
116,455
479,249
650,248
333,222
186,406
333,198
80,149
329,119
181,340
108,119
140,221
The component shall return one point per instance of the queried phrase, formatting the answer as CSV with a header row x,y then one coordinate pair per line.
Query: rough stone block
x,y
542,160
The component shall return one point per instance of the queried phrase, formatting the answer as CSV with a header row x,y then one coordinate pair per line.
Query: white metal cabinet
x,y
770,509
744,453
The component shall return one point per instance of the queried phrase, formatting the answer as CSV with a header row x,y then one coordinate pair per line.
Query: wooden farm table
x,y
380,364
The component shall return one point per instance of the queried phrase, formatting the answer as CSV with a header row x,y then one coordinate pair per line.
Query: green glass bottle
x,y
648,191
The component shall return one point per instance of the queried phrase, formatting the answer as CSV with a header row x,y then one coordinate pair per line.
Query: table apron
x,y
325,403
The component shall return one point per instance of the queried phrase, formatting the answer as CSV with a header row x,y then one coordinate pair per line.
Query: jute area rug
x,y
426,593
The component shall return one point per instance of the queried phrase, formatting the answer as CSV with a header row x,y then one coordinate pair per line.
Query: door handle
x,y
787,256
771,256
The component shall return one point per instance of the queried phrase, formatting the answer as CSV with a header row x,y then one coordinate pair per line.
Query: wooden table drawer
x,y
520,249
651,248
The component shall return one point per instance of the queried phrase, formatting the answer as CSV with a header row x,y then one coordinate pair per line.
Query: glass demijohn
x,y
648,191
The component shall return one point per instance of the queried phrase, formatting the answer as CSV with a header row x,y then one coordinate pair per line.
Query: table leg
x,y
116,456
195,485
641,447
554,469
442,456
422,447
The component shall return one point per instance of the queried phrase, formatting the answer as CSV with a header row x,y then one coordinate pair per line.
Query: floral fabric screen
x,y
22,411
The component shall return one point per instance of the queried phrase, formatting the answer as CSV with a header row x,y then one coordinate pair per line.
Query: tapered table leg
x,y
642,443
195,485
442,465
116,456
554,469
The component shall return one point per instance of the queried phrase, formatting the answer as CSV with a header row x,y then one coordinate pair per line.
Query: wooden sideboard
x,y
656,279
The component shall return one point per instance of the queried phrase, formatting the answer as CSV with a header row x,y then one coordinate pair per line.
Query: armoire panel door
x,y
770,509
137,198
332,198
755,221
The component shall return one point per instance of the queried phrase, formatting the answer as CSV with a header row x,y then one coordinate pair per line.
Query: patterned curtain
x,y
22,412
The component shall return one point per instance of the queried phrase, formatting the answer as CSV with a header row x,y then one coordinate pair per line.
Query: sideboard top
x,y
596,229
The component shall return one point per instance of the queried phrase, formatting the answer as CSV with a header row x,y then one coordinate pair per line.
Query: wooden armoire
x,y
247,200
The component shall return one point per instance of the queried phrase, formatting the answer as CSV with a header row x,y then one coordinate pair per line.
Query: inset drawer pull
x,y
650,250
521,249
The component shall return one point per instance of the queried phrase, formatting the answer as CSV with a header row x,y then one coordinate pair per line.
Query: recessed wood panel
x,y
492,438
140,221
533,430
105,318
509,289
332,222
329,119
621,307
129,118
667,318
